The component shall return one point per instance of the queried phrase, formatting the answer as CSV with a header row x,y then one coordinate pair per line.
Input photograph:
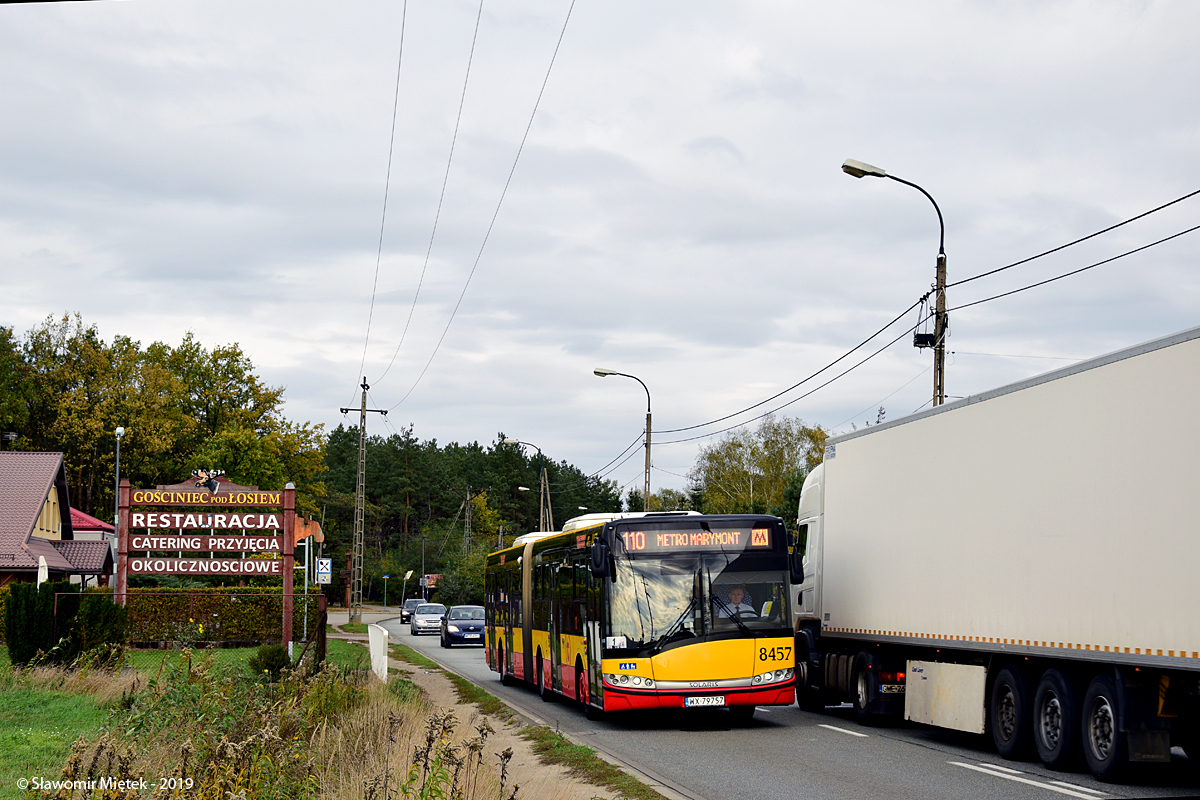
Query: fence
x,y
175,618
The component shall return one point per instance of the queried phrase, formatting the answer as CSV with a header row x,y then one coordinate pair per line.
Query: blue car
x,y
462,625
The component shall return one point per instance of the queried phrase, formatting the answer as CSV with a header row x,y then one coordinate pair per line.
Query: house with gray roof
x,y
35,522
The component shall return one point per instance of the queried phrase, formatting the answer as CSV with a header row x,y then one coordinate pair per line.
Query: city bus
x,y
630,612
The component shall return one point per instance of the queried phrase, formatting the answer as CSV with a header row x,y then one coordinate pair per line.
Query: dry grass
x,y
106,688
223,735
391,747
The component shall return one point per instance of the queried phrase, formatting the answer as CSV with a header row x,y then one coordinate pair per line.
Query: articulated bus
x,y
646,611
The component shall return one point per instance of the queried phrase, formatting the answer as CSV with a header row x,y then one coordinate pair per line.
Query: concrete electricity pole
x,y
356,561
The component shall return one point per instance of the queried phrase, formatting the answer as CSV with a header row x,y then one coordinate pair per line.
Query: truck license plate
x,y
694,702
891,688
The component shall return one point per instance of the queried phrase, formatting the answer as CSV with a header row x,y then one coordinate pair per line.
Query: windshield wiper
x,y
732,615
674,630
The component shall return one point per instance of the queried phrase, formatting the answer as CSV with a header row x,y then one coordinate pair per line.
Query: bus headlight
x,y
624,679
649,683
637,681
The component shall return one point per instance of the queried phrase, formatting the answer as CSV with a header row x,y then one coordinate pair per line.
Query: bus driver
x,y
737,604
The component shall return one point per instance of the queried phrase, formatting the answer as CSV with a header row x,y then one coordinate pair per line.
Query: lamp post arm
x,y
941,224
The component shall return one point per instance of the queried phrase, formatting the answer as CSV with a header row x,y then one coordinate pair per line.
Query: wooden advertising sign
x,y
209,504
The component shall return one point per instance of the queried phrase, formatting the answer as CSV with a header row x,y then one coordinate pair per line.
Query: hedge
x,y
32,623
214,615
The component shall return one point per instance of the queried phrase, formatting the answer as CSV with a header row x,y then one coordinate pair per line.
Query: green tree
x,y
180,407
14,386
751,471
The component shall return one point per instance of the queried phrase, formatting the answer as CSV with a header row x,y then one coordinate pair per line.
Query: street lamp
x,y
117,481
859,169
604,373
545,511
385,580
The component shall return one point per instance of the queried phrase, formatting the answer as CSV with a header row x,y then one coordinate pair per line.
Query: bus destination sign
x,y
666,541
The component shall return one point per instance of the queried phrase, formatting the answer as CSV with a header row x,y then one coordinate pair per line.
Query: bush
x,y
4,593
30,622
100,621
228,614
270,658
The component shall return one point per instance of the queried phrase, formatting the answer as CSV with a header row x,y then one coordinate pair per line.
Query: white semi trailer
x,y
1025,562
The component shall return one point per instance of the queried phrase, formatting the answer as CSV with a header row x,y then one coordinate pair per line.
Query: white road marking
x,y
1096,792
1002,769
843,730
1074,791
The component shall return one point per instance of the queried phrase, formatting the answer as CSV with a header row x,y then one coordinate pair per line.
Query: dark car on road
x,y
462,625
407,609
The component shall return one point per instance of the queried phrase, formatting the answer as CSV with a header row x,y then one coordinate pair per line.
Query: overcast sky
x,y
678,211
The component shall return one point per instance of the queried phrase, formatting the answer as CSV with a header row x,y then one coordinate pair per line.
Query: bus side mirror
x,y
599,565
796,566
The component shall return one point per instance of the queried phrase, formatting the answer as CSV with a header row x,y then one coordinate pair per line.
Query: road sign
x,y
324,570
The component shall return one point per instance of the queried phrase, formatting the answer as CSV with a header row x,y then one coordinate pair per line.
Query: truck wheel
x,y
1055,720
1103,742
861,686
808,696
1009,714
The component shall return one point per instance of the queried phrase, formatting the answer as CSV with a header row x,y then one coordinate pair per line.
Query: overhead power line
x,y
387,183
1077,271
1077,241
797,385
442,196
499,203
958,283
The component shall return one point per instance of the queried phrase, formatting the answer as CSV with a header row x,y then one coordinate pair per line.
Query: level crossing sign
x,y
324,570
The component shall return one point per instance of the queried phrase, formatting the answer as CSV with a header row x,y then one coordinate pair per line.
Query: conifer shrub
x,y
270,658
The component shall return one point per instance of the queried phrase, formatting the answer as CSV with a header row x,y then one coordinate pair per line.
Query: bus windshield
x,y
657,602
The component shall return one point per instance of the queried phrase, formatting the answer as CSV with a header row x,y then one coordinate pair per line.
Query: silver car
x,y
427,618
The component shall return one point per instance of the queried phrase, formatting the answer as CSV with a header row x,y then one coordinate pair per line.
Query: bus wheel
x,y
1055,720
580,684
544,691
1009,713
501,665
1103,742
741,715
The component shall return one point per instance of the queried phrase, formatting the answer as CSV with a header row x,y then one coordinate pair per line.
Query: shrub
x,y
100,621
29,622
270,658
4,593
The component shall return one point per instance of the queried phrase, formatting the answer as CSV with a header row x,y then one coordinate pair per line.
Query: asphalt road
x,y
787,753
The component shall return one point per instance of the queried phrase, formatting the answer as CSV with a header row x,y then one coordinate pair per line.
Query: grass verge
x,y
38,729
467,692
582,762
341,653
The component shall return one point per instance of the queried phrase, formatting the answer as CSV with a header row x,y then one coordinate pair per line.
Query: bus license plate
x,y
694,702
470,635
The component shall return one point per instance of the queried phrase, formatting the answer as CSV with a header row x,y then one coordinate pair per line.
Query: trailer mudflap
x,y
946,695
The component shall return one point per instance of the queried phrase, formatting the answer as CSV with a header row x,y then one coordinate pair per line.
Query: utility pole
x,y
466,547
545,512
939,333
356,562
